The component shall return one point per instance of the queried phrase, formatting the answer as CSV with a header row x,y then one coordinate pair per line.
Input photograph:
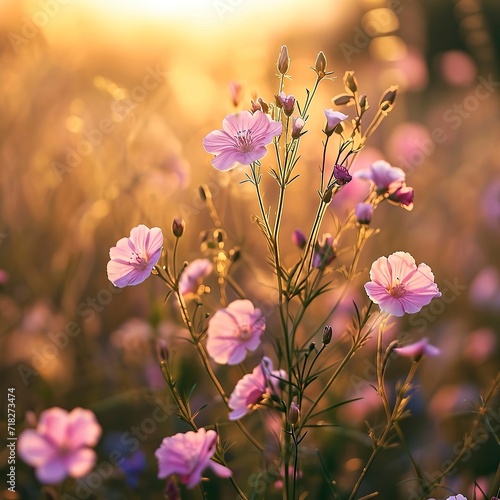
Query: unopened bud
x,y
178,226
342,99
327,196
388,99
363,102
350,81
297,126
235,254
299,238
327,335
320,65
293,413
364,212
162,351
283,63
312,346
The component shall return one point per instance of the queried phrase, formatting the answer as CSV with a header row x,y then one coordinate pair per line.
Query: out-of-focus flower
x,y
297,126
454,497
490,202
485,288
333,118
133,258
243,139
299,238
385,177
4,277
480,346
324,252
418,349
342,175
364,212
188,455
61,444
233,331
403,196
458,68
236,91
132,467
178,226
278,484
250,390
192,275
398,286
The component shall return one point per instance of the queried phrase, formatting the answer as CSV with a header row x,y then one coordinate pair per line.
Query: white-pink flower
x,y
187,455
233,331
454,497
418,349
385,177
192,275
133,258
250,390
333,118
398,286
61,444
243,139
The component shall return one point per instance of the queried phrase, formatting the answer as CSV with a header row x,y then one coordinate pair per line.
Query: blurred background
x,y
103,109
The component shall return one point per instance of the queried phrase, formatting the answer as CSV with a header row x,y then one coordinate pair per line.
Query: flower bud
x,y
350,81
297,126
162,351
388,99
342,175
285,102
327,335
364,212
293,413
327,196
403,196
320,65
299,238
363,103
342,99
283,63
178,226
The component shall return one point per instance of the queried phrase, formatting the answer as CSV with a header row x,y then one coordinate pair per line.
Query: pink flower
x,y
403,196
132,259
286,102
297,126
233,331
418,349
188,455
243,140
250,390
383,175
333,118
193,274
342,175
398,286
454,497
60,445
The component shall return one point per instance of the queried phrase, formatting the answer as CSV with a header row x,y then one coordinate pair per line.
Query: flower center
x,y
397,290
245,332
243,140
138,261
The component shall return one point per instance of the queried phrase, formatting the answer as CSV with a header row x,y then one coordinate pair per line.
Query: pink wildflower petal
x,y
233,331
188,455
80,462
220,470
243,140
53,424
83,428
418,349
398,286
53,471
35,449
133,258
